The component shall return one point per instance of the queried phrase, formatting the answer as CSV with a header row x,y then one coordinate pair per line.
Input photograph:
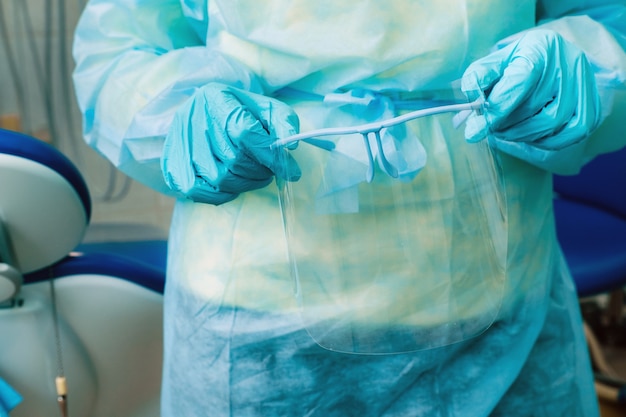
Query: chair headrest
x,y
45,205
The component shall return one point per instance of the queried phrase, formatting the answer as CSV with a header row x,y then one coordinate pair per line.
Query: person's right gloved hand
x,y
218,145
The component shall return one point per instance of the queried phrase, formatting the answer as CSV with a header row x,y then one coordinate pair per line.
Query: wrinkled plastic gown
x,y
371,272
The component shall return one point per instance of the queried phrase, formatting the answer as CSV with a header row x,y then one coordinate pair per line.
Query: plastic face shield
x,y
396,245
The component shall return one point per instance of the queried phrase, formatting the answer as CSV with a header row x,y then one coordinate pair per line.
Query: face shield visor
x,y
396,232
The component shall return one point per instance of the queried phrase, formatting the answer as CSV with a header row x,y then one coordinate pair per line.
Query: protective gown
x,y
234,339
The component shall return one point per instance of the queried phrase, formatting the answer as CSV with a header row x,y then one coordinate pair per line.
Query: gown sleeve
x,y
137,61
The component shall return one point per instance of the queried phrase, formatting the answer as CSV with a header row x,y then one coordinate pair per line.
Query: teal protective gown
x,y
235,341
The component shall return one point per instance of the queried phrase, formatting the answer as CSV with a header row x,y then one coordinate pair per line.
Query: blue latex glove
x,y
541,98
219,144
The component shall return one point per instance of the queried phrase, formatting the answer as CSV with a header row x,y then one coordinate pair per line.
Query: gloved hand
x,y
218,145
541,97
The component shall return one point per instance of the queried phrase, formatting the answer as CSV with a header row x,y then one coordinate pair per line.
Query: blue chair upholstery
x,y
590,214
140,262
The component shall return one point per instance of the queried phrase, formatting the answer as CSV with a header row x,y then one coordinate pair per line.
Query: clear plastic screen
x,y
396,247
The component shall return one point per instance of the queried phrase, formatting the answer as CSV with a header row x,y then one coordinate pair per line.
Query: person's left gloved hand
x,y
219,144
541,97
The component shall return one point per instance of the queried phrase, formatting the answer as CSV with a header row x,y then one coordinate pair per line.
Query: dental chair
x,y
80,323
590,214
